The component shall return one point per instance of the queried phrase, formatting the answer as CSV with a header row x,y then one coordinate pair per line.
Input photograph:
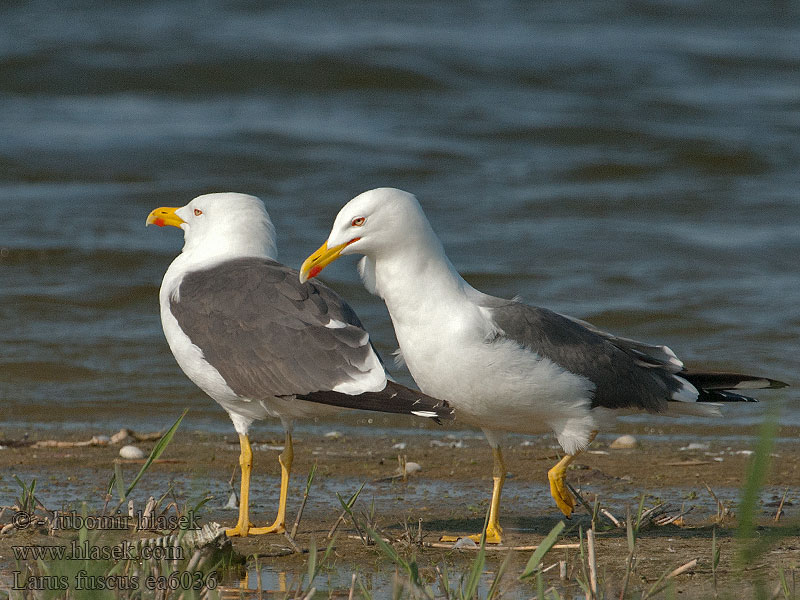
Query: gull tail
x,y
394,398
724,387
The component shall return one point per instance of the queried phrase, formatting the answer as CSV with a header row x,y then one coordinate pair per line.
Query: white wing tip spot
x,y
754,384
686,393
335,324
424,413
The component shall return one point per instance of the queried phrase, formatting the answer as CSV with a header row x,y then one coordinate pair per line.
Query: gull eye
x,y
358,221
197,212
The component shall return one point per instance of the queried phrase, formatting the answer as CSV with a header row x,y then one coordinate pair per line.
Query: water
x,y
634,164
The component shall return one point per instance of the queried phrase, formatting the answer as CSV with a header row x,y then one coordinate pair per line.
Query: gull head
x,y
221,225
377,222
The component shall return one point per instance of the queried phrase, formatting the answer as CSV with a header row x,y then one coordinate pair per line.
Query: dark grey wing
x,y
619,381
712,386
647,355
269,335
394,398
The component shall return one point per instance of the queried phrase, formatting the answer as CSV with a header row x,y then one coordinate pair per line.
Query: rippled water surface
x,y
636,164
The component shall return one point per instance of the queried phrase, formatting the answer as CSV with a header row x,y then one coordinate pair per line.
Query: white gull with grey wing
x,y
259,342
504,365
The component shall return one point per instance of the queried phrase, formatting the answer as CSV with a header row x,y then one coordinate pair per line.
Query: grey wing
x,y
269,335
648,355
622,377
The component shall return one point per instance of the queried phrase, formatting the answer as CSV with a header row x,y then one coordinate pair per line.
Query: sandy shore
x,y
450,494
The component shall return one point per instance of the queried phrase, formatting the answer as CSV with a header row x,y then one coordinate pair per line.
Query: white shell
x,y
412,467
624,441
131,452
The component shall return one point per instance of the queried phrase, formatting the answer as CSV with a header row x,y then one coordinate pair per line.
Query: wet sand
x,y
450,494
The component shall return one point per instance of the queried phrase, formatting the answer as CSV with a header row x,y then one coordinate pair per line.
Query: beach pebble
x,y
120,436
412,467
271,447
333,435
131,452
624,441
449,444
696,446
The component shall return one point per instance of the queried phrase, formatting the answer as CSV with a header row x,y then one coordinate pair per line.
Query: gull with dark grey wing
x,y
259,342
504,365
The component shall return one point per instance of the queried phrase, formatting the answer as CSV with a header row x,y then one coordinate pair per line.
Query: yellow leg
x,y
246,463
558,487
243,527
285,459
494,533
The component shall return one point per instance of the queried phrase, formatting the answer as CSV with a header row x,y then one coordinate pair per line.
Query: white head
x,y
224,225
375,223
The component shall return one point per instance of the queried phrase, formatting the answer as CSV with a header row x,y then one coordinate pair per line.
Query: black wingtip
x,y
718,381
394,398
774,384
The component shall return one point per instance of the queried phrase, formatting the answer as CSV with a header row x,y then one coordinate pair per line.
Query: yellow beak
x,y
165,216
313,265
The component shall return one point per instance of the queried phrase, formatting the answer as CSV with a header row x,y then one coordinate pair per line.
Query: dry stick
x,y
442,586
550,568
721,510
352,587
349,505
680,570
617,523
292,543
449,545
589,508
338,522
310,594
631,552
780,506
303,503
592,563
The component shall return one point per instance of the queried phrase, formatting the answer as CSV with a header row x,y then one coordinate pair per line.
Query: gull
x,y
261,343
503,365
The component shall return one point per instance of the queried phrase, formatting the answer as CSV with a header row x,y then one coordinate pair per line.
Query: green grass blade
x,y
310,479
544,547
388,551
539,585
757,472
157,451
364,592
118,481
312,561
475,572
495,587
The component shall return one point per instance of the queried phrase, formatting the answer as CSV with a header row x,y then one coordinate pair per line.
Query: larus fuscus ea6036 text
x,y
504,365
259,342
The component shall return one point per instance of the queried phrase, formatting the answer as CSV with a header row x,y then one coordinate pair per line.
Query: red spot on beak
x,y
159,221
314,271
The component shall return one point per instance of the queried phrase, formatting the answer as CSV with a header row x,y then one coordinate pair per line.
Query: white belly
x,y
497,385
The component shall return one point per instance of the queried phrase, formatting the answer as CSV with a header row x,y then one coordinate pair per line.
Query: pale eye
x,y
197,212
357,222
